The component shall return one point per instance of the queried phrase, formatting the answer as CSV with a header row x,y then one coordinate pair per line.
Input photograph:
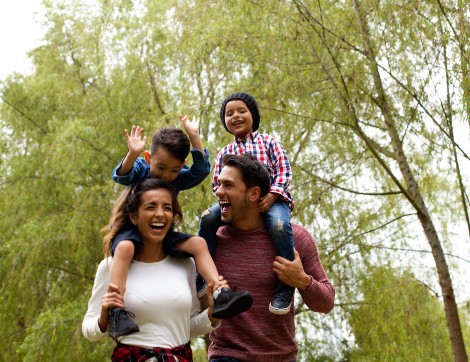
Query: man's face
x,y
232,195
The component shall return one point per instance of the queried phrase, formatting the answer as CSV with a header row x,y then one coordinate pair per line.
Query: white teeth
x,y
224,202
157,224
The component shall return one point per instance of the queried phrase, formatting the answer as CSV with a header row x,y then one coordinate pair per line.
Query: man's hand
x,y
135,140
292,272
266,202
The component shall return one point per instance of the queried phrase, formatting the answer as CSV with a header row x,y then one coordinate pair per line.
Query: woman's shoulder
x,y
105,264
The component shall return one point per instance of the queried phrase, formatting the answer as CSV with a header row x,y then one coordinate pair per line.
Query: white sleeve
x,y
90,328
200,323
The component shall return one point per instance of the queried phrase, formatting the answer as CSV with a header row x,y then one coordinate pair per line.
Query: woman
x,y
160,289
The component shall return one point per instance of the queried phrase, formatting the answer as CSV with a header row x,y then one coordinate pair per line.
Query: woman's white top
x,y
162,296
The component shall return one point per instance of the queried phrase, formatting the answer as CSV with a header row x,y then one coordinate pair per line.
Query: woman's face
x,y
154,216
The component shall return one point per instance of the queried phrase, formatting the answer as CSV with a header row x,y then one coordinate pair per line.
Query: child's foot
x,y
120,323
282,300
228,303
201,286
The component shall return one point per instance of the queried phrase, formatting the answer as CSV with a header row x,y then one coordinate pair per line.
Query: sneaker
x,y
201,286
282,300
121,323
230,303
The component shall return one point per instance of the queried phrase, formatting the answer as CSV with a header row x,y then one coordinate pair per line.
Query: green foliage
x,y
398,320
108,65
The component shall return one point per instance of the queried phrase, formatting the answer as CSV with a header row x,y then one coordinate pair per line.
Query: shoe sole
x,y
241,303
279,311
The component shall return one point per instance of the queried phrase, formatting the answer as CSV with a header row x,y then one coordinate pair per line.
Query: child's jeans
x,y
277,221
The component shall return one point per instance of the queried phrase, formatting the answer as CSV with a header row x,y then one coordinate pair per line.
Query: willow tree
x,y
389,105
110,64
94,76
415,319
357,94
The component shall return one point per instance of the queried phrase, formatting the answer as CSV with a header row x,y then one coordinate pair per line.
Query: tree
x,y
398,320
373,142
394,152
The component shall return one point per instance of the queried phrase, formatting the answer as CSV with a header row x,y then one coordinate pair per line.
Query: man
x,y
245,255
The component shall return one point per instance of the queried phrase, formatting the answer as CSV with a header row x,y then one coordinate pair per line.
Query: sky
x,y
19,33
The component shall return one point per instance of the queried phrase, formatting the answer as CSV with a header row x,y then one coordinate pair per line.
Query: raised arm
x,y
135,144
192,130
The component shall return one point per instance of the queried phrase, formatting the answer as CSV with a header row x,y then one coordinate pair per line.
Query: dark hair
x,y
173,140
129,202
254,173
250,103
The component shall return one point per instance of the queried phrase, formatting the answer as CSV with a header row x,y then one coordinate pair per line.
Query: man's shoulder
x,y
301,235
299,228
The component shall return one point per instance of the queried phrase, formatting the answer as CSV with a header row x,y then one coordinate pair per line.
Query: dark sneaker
x,y
230,303
120,323
201,286
282,300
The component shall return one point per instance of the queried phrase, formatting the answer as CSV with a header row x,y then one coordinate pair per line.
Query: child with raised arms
x,y
166,161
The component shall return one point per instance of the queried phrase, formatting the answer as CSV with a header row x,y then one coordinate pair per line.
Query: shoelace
x,y
123,312
285,295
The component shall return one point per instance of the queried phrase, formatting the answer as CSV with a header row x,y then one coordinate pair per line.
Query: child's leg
x,y
122,259
197,247
226,302
277,221
279,227
208,226
123,248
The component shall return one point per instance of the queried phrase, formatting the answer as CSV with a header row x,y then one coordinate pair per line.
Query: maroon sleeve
x,y
320,295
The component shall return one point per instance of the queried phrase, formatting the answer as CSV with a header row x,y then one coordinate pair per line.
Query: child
x,y
169,149
240,116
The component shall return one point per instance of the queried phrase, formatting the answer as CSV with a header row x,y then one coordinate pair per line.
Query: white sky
x,y
19,33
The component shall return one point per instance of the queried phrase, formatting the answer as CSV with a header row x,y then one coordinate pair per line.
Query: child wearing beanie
x,y
240,116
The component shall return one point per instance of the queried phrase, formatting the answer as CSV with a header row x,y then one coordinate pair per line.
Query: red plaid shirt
x,y
270,153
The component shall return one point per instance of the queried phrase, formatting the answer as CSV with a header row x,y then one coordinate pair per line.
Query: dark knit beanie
x,y
250,103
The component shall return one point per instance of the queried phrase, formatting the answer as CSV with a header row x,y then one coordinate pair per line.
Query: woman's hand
x,y
112,298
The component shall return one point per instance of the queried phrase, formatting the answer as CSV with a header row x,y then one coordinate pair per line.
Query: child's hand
x,y
191,127
135,140
211,288
266,202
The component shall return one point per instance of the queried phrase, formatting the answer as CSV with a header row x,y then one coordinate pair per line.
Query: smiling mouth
x,y
157,226
224,205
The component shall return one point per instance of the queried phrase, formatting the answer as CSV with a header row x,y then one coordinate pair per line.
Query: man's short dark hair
x,y
253,171
173,140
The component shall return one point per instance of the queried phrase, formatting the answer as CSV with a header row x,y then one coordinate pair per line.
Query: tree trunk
x,y
413,194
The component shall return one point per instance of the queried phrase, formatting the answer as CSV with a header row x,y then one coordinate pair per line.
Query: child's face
x,y
165,166
238,119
